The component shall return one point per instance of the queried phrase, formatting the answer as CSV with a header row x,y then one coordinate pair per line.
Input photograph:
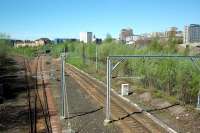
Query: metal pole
x,y
61,90
64,97
198,101
110,68
96,59
107,120
109,87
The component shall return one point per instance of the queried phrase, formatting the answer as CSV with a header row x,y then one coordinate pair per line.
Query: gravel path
x,y
85,115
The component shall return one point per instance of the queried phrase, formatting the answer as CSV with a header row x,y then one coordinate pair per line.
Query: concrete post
x,y
107,120
96,58
63,87
198,101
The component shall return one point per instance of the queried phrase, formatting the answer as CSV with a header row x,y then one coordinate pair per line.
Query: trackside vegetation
x,y
173,78
176,78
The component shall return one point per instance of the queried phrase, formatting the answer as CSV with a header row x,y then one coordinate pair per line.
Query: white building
x,y
20,43
86,37
192,33
132,39
124,33
157,34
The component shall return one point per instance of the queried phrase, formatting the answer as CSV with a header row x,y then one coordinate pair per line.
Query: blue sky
x,y
31,19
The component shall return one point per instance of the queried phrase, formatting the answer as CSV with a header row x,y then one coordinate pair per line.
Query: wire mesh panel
x,y
153,76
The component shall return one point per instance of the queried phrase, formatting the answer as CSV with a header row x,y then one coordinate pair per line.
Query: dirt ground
x,y
181,118
13,110
84,115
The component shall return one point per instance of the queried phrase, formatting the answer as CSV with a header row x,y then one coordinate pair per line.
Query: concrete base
x,y
198,108
68,131
62,117
106,122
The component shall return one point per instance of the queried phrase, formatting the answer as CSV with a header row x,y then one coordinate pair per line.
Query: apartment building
x,y
42,41
171,32
20,43
192,33
86,37
124,33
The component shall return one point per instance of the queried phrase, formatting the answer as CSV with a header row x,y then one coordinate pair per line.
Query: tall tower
x,y
192,33
86,37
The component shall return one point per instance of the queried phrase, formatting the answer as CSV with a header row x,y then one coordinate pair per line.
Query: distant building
x,y
98,40
62,40
138,40
42,41
29,43
192,33
157,34
171,32
132,39
179,34
124,33
72,40
59,40
147,35
20,43
86,37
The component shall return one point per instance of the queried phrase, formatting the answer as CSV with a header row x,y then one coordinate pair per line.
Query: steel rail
x,y
45,99
28,99
36,96
116,106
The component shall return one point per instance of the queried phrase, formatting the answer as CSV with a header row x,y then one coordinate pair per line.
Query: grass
x,y
158,74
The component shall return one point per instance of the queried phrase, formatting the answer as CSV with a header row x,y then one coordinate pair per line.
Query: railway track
x,y
129,118
39,118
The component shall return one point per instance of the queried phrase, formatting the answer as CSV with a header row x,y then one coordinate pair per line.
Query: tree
x,y
108,38
155,45
4,36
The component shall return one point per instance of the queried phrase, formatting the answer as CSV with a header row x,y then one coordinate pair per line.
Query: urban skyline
x,y
67,18
150,34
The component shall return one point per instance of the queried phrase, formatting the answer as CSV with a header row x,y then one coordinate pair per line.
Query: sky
x,y
32,19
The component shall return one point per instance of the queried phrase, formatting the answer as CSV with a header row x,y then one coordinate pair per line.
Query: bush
x,y
174,78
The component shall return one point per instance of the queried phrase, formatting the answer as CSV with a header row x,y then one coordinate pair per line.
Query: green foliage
x,y
4,47
155,45
174,78
4,36
28,52
187,50
109,38
171,77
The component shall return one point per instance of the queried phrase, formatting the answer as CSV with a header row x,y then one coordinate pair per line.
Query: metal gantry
x,y
64,99
64,95
62,84
122,58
